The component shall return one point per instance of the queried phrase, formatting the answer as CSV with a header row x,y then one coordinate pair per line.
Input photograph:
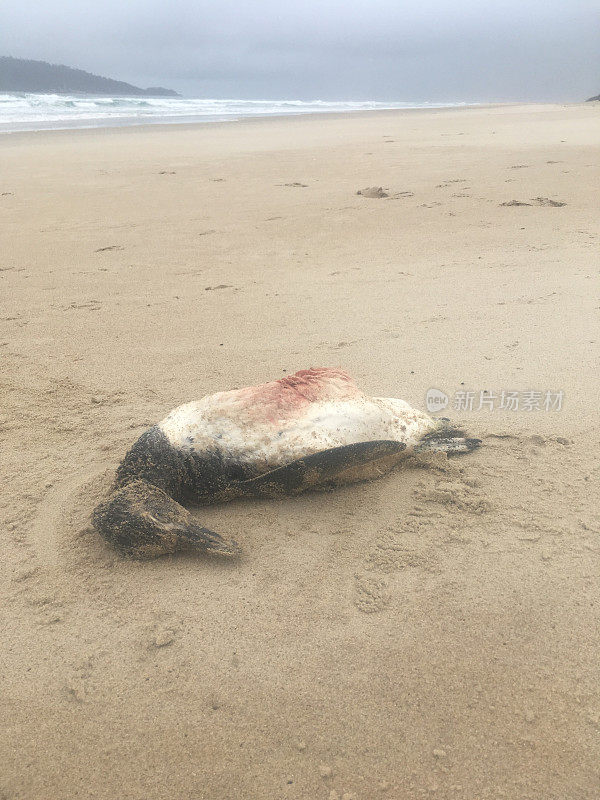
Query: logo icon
x,y
436,400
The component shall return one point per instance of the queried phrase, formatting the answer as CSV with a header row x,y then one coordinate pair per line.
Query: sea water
x,y
24,112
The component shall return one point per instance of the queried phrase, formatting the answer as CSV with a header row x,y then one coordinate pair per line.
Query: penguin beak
x,y
145,522
208,541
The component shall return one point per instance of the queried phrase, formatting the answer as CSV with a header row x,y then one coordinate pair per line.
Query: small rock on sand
x,y
163,637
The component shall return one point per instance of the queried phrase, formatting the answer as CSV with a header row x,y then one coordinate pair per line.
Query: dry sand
x,y
432,634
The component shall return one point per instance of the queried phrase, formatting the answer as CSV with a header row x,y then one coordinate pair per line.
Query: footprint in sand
x,y
167,172
373,191
378,192
546,201
158,636
371,594
77,686
535,201
338,346
342,271
447,183
91,305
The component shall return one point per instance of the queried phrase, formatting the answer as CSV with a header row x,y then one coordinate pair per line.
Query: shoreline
x,y
165,123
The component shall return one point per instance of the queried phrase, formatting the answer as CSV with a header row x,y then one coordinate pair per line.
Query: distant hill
x,y
23,75
590,99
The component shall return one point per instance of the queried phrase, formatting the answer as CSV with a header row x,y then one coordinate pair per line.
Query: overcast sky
x,y
436,50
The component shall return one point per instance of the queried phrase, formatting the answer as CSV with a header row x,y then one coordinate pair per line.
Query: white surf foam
x,y
21,112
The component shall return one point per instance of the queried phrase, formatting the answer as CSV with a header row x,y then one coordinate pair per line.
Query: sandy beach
x,y
433,634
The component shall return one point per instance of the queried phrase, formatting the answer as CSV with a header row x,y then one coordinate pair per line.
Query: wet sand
x,y
431,634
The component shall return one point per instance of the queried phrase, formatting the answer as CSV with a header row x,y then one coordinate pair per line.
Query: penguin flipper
x,y
326,469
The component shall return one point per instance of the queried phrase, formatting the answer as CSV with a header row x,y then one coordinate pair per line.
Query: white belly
x,y
238,432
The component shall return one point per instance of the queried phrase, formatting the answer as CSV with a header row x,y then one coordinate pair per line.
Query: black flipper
x,y
329,468
143,521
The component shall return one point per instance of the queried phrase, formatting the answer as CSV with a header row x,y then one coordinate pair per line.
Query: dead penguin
x,y
311,430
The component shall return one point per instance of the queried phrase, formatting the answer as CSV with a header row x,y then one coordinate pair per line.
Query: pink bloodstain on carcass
x,y
289,396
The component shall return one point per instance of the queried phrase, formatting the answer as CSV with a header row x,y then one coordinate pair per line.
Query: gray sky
x,y
436,50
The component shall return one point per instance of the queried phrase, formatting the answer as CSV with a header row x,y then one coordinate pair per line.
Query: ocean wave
x,y
22,111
